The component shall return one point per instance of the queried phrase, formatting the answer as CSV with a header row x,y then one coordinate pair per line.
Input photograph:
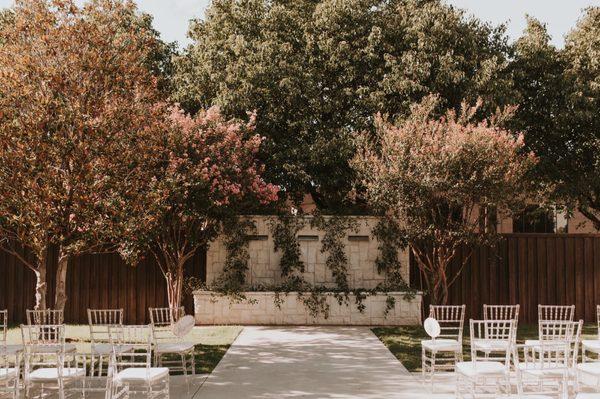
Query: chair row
x,y
121,356
496,356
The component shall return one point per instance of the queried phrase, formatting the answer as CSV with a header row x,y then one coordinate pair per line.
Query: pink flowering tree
x,y
199,171
441,180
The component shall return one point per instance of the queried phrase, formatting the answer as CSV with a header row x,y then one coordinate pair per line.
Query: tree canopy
x,y
441,181
195,173
75,93
316,72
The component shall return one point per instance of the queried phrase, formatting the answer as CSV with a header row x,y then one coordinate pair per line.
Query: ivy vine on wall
x,y
285,230
333,244
236,238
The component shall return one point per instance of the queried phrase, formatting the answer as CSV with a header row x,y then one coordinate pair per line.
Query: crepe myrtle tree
x,y
201,170
439,178
75,94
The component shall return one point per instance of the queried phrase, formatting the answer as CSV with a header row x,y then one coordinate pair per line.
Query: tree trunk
x,y
61,281
438,292
41,285
175,284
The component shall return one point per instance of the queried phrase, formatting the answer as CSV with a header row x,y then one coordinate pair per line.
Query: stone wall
x,y
264,269
259,309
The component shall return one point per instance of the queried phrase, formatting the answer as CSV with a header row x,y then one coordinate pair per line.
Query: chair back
x,y
139,339
45,316
556,330
496,330
41,337
162,321
100,320
165,316
3,326
451,319
556,312
501,312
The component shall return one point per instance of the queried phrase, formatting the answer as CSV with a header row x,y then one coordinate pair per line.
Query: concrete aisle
x,y
310,362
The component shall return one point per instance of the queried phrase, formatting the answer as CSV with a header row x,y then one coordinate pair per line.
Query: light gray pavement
x,y
311,362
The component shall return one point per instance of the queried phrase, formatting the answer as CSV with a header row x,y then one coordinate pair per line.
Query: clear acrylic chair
x,y
446,350
481,375
497,344
165,342
592,346
134,368
102,344
46,362
10,371
546,366
5,348
45,316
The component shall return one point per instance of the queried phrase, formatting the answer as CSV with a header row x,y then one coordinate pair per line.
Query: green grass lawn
x,y
211,343
405,342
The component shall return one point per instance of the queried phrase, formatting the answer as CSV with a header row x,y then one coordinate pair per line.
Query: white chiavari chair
x,y
443,352
102,344
134,367
165,342
546,365
482,376
46,362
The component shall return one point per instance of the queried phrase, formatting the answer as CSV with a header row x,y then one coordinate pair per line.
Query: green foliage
x,y
285,229
581,162
236,234
333,243
317,71
390,238
437,177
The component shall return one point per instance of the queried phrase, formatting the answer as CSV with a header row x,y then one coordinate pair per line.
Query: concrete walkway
x,y
310,362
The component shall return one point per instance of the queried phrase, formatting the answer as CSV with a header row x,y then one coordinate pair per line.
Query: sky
x,y
171,17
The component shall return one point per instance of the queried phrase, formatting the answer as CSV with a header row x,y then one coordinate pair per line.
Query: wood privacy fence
x,y
529,269
94,281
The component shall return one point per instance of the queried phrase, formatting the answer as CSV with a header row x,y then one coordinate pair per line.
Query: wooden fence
x,y
529,269
94,281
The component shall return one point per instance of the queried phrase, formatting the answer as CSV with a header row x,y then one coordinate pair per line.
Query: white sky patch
x,y
171,17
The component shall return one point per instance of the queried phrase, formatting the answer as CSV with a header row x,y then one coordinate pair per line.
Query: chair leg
x,y
194,361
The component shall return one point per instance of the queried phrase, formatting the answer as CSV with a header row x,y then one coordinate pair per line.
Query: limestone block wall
x,y
361,249
259,309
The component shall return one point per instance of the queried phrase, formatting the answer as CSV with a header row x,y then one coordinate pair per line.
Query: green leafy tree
x,y
436,178
75,94
538,72
317,71
581,144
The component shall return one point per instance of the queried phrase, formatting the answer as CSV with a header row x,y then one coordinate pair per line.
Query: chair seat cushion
x,y
51,374
442,345
173,347
105,349
591,345
475,369
68,348
151,374
10,349
7,373
490,345
543,369
592,368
